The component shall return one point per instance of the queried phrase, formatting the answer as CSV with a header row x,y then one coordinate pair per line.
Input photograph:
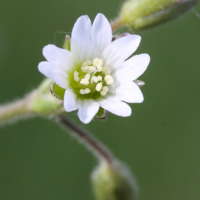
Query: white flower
x,y
96,72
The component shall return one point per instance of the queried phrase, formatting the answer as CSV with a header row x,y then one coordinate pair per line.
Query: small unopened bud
x,y
67,43
140,14
113,183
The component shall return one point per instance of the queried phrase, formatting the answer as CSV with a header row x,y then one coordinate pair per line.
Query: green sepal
x,y
57,91
101,114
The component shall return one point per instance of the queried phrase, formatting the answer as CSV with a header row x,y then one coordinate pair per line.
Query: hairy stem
x,y
89,141
14,110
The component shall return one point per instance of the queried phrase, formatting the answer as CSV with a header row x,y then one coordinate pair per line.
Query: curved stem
x,y
90,142
117,23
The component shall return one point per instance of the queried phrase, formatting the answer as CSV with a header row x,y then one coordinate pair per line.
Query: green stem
x,y
15,110
89,141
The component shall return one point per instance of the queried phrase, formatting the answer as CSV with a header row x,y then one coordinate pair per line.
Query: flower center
x,y
91,80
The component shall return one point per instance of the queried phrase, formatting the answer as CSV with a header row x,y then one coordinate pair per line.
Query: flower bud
x,y
113,183
67,43
140,14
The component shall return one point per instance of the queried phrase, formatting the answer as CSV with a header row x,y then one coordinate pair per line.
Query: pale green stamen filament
x,y
102,80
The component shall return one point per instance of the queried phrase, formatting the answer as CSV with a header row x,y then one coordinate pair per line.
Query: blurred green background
x,y
160,141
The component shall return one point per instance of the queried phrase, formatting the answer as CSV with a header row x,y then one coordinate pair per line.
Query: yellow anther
x,y
87,90
100,63
99,86
95,79
104,91
85,68
76,73
105,88
82,91
84,64
106,71
96,61
99,68
99,78
76,78
87,76
109,79
84,81
89,62
92,68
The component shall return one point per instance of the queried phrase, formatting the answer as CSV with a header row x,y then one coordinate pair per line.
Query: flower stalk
x,y
88,140
15,110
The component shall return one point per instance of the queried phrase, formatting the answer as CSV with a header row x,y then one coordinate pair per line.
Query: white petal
x,y
116,107
119,50
70,102
133,67
88,110
80,38
57,56
101,34
47,69
129,92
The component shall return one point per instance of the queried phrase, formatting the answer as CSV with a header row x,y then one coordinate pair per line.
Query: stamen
x,y
95,79
82,91
100,63
76,78
105,88
87,90
106,71
109,79
87,76
92,68
99,68
99,86
84,63
84,81
89,62
104,91
85,68
99,78
96,61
